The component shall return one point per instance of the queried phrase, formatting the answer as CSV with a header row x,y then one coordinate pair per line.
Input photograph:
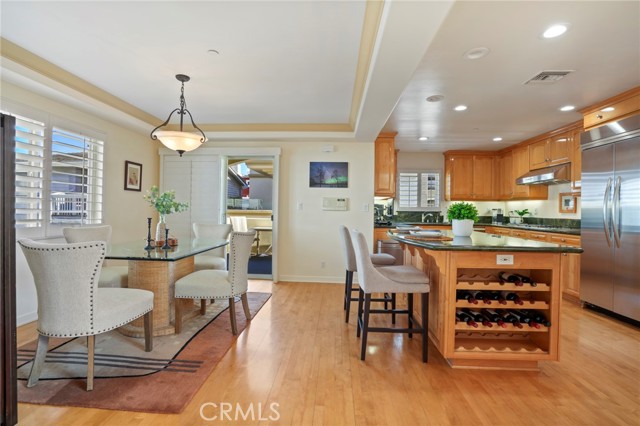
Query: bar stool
x,y
389,279
378,259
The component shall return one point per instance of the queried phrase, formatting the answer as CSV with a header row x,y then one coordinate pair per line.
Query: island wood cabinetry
x,y
468,176
496,347
385,166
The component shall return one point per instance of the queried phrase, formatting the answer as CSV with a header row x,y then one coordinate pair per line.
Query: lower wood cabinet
x,y
570,273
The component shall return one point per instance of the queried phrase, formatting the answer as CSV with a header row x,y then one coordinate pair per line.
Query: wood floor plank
x,y
298,353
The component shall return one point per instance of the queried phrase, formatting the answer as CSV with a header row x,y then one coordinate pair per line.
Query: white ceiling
x,y
289,63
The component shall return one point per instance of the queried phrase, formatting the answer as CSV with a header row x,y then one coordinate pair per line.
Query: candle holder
x,y
149,246
166,245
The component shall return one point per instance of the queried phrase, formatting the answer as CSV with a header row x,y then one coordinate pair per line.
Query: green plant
x,y
462,210
164,203
521,213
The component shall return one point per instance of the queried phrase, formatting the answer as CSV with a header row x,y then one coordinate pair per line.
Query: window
x,y
419,190
59,177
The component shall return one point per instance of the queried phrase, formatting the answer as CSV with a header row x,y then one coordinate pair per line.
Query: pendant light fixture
x,y
180,141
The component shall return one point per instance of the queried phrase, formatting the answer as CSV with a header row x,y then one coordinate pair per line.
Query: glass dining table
x,y
157,270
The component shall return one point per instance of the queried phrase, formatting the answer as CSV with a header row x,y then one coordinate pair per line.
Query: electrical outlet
x,y
504,259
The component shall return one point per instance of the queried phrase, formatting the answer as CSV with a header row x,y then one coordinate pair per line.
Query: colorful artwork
x,y
328,175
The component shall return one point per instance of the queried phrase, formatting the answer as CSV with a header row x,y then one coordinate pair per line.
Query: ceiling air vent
x,y
547,77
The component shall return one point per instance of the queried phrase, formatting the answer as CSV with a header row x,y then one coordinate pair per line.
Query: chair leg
x,y
365,325
425,325
393,307
245,306
38,361
360,300
91,346
203,306
148,331
177,303
232,313
347,294
346,289
410,309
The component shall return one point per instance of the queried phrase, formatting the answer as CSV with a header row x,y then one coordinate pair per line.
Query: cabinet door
x,y
560,149
385,168
570,276
520,167
482,180
461,175
539,155
576,161
504,175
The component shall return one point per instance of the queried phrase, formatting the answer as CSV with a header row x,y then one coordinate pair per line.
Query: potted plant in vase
x,y
521,214
462,216
165,203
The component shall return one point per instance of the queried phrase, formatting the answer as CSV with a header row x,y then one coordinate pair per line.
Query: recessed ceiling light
x,y
477,53
607,109
423,138
498,139
435,98
555,31
567,108
460,108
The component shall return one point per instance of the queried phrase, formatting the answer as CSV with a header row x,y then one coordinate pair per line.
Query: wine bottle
x,y
523,317
495,295
478,317
465,317
538,317
466,295
527,280
513,297
510,318
506,277
481,295
493,316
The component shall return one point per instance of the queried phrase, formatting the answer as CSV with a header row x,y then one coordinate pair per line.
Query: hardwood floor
x,y
299,353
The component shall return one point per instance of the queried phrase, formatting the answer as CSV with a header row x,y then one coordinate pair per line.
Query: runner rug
x,y
128,378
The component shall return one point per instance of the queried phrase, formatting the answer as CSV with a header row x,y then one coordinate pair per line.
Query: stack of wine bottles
x,y
486,297
501,317
517,279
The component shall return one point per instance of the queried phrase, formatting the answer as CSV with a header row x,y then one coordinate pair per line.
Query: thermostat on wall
x,y
333,203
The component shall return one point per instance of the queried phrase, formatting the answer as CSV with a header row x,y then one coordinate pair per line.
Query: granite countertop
x,y
525,227
479,241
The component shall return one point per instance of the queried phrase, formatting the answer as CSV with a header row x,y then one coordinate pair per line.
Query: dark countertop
x,y
479,241
525,227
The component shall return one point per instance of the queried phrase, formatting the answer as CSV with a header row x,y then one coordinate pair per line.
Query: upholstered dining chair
x,y
70,303
216,258
378,259
239,223
219,284
389,279
116,276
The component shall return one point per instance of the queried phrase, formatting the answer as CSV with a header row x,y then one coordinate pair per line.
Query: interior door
x,y
596,285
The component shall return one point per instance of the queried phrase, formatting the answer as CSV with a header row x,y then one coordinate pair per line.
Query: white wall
x,y
126,211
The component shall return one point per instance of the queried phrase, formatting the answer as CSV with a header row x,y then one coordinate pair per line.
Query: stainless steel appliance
x,y
610,234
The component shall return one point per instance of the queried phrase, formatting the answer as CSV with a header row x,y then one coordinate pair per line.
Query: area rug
x,y
127,378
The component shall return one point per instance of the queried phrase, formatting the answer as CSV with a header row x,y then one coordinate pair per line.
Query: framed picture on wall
x,y
132,176
567,202
324,174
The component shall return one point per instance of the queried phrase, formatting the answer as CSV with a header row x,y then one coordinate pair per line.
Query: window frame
x,y
420,172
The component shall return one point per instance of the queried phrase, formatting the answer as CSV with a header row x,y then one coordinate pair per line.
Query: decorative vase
x,y
462,227
160,231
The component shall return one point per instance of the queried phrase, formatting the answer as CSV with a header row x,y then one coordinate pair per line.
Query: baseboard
x,y
26,318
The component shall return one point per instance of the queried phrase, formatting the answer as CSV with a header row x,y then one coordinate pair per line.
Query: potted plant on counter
x,y
462,216
521,214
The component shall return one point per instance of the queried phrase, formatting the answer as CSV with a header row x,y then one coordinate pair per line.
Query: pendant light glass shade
x,y
179,141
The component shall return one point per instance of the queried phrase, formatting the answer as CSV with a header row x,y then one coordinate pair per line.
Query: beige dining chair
x,y
216,258
70,303
389,279
115,276
218,284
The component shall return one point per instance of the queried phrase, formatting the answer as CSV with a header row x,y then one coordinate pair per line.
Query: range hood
x,y
547,176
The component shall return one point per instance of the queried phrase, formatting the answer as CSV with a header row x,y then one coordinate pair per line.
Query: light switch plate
x,y
504,259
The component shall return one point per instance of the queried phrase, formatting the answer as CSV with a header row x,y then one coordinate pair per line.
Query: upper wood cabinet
x,y
469,176
576,160
504,176
385,166
550,151
520,167
620,106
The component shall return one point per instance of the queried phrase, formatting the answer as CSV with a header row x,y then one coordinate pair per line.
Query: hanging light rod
x,y
179,141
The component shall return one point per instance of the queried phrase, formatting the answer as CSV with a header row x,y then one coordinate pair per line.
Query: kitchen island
x,y
473,264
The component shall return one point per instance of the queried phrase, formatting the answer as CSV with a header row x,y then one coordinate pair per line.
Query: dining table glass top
x,y
135,250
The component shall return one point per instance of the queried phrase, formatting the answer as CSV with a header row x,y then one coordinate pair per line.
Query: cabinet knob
x,y
599,117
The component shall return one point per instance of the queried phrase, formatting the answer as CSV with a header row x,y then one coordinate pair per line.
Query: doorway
x,y
250,205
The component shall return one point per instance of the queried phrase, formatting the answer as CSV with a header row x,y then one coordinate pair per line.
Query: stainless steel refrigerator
x,y
610,263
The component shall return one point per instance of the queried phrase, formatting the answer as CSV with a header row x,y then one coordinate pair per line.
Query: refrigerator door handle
x,y
615,211
605,211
